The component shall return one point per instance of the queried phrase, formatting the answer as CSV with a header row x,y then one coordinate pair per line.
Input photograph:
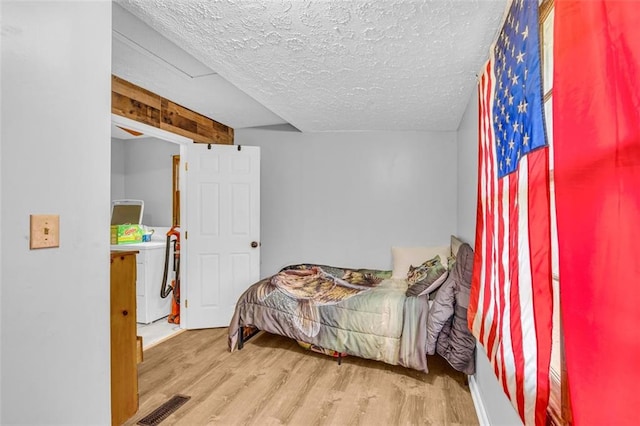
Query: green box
x,y
126,234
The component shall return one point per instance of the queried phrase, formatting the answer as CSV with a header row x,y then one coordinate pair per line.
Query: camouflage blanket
x,y
359,312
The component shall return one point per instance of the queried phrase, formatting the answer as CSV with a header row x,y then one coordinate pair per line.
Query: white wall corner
x,y
481,412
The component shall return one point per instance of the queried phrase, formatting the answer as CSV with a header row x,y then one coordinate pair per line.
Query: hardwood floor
x,y
273,381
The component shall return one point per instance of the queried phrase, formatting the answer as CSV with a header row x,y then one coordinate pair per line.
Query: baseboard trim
x,y
164,339
477,401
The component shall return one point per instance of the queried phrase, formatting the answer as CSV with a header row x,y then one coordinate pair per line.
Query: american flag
x,y
511,306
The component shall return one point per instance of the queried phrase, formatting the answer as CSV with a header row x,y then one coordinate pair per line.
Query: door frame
x,y
150,131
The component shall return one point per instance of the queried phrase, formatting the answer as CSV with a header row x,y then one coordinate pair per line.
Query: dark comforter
x,y
359,312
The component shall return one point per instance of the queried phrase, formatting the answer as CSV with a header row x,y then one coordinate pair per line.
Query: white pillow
x,y
403,257
455,245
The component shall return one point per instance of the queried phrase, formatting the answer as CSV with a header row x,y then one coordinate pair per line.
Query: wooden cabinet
x,y
124,370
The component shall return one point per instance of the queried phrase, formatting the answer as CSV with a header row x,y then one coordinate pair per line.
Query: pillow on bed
x,y
426,278
455,245
403,257
451,262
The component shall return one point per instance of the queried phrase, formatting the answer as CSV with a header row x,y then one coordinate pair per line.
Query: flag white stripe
x,y
495,265
527,317
507,344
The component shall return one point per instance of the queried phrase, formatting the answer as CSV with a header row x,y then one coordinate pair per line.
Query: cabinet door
x,y
124,372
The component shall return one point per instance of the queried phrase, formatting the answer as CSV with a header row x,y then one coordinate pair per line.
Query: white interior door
x,y
221,234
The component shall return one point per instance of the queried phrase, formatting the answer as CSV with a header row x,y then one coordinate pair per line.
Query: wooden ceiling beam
x,y
136,103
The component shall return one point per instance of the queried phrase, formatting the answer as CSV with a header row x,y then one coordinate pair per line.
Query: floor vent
x,y
165,410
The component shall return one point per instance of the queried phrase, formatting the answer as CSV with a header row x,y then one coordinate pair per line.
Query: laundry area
x,y
142,220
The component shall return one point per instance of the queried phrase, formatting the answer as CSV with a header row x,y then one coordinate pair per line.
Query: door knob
x,y
254,244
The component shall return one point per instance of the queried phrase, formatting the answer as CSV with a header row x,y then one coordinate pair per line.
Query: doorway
x,y
220,220
145,162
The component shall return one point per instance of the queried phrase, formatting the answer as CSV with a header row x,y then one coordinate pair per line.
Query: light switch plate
x,y
45,231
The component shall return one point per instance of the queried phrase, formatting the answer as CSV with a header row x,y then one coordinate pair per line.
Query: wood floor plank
x,y
273,381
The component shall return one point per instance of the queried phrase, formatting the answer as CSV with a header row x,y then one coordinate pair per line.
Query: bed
x,y
397,317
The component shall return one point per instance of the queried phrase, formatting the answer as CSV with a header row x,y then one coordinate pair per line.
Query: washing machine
x,y
150,269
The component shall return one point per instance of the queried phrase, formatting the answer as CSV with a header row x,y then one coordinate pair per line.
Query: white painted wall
x,y
54,339
1,244
497,407
117,169
148,176
344,199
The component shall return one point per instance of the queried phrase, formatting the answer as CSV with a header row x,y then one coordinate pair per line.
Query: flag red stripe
x,y
477,259
490,231
472,311
497,280
539,207
514,296
496,232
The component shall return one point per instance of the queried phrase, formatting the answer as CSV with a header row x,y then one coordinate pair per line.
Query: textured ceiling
x,y
143,57
339,65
